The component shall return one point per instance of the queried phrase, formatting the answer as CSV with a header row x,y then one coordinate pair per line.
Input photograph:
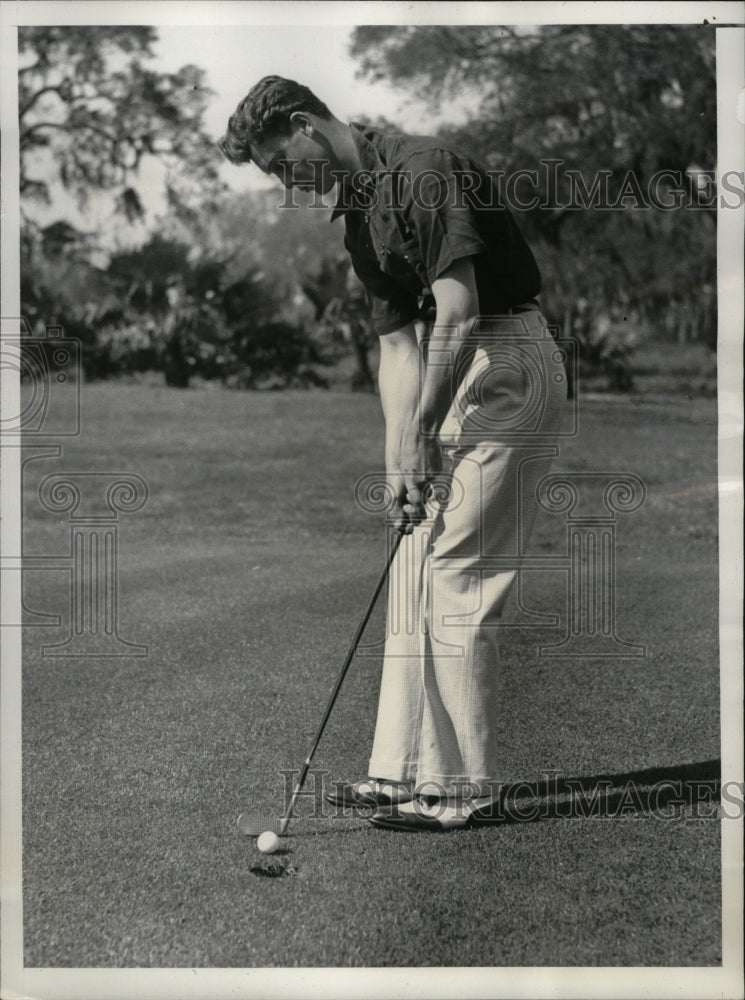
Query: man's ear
x,y
302,122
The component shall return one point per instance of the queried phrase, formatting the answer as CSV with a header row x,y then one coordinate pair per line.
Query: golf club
x,y
252,825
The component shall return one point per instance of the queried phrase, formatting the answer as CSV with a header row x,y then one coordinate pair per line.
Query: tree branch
x,y
50,88
66,128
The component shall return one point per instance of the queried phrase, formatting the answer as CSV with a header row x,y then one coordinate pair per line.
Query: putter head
x,y
254,824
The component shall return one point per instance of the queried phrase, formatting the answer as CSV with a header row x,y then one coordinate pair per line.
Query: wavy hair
x,y
264,111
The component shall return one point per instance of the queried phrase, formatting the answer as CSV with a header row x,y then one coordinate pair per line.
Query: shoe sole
x,y
360,803
417,824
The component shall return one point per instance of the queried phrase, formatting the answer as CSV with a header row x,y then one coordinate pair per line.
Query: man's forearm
x,y
457,303
399,380
416,398
407,455
439,382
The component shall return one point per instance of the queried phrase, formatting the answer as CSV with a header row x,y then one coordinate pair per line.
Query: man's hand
x,y
412,470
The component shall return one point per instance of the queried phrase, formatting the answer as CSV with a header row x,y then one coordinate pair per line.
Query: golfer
x,y
472,390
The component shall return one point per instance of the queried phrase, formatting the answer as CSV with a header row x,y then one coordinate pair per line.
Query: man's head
x,y
285,129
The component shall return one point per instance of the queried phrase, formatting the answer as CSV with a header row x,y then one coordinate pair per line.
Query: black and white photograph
x,y
371,500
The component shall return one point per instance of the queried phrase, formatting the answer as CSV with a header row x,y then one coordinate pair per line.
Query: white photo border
x,y
184,984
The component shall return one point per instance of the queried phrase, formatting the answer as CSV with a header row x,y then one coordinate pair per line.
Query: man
x,y
474,406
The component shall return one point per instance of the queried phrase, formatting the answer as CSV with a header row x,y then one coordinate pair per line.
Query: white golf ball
x,y
268,842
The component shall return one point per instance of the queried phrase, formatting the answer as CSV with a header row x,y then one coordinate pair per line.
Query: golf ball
x,y
268,842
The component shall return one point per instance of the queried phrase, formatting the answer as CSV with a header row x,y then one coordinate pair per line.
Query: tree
x,y
91,110
186,302
60,287
199,320
636,96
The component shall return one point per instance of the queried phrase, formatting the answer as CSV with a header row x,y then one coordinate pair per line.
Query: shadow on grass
x,y
693,790
661,792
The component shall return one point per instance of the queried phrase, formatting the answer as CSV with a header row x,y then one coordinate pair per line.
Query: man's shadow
x,y
663,792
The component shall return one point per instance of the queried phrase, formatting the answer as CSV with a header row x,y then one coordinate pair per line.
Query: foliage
x,y
93,110
614,96
210,326
163,308
59,287
344,317
299,251
92,113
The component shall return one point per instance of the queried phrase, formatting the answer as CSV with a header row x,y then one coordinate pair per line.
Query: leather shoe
x,y
369,794
438,815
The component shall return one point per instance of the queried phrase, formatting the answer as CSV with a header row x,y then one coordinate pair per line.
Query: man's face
x,y
301,159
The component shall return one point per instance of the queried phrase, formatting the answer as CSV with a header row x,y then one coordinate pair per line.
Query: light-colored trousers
x,y
438,713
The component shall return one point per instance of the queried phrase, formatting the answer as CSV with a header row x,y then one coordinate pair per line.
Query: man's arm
x,y
457,304
399,379
415,402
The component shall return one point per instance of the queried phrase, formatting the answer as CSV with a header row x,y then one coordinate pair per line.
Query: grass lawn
x,y
245,574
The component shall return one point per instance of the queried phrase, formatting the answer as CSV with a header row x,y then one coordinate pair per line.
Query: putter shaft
x,y
339,681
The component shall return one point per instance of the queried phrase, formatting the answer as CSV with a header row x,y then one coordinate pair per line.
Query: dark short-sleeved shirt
x,y
417,207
